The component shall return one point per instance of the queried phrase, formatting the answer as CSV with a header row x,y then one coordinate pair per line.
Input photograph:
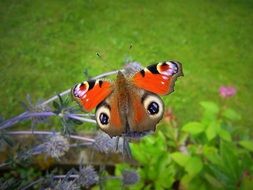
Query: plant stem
x,y
27,115
4,164
106,74
63,176
32,184
55,97
74,116
23,116
81,144
48,133
85,114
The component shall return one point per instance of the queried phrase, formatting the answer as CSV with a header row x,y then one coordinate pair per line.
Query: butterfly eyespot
x,y
153,105
153,108
103,116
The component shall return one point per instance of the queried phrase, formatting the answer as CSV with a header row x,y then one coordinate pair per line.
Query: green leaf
x,y
60,98
247,144
230,159
190,183
225,135
247,183
193,166
183,138
212,180
211,153
193,128
180,158
152,173
112,184
56,105
165,172
211,131
210,107
231,114
219,174
138,154
210,112
166,176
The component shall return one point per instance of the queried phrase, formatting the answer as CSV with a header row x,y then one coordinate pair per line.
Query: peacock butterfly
x,y
130,105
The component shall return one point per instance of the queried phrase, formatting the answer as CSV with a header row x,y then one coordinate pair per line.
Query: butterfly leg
x,y
127,154
117,144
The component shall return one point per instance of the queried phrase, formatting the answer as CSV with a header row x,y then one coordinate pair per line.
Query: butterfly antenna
x,y
86,73
128,57
130,46
99,55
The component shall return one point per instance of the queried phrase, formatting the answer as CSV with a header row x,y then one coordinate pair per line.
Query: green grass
x,y
46,45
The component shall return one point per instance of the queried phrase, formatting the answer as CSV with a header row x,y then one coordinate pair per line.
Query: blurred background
x,y
48,46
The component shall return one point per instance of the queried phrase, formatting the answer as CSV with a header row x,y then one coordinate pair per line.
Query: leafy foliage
x,y
201,154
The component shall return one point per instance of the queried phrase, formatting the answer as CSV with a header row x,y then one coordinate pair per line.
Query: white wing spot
x,y
165,77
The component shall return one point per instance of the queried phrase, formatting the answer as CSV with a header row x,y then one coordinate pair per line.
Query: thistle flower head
x,y
131,68
104,143
129,177
87,176
66,185
227,91
36,108
55,146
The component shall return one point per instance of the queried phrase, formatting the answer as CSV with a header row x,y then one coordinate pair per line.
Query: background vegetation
x,y
48,46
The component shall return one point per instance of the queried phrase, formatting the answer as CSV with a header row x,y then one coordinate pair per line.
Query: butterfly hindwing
x,y
108,116
90,93
146,111
158,78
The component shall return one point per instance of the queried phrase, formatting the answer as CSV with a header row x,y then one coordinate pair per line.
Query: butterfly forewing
x,y
158,78
90,93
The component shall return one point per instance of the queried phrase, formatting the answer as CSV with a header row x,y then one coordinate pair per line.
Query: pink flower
x,y
227,91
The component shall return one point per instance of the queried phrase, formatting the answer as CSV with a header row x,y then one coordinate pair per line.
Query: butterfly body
x,y
131,104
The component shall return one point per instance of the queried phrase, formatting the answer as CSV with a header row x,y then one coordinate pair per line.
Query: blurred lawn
x,y
46,45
